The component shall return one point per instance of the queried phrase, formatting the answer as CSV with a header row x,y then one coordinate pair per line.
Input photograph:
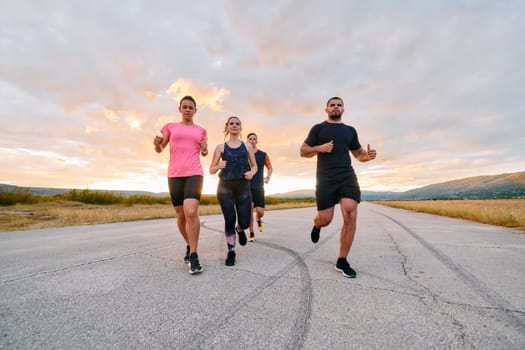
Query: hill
x,y
295,194
50,191
478,187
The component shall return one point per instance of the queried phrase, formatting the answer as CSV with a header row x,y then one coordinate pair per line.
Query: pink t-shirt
x,y
184,149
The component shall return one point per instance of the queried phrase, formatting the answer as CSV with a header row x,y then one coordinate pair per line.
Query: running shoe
x,y
343,266
242,236
315,234
252,237
187,256
259,225
230,259
195,266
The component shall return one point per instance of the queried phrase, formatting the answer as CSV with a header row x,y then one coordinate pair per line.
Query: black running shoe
x,y
343,266
315,234
242,236
187,256
259,225
195,267
230,259
252,237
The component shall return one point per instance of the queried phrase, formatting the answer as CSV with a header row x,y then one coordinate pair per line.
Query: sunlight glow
x,y
156,184
209,96
134,122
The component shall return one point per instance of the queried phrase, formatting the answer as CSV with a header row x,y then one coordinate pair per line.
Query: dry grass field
x,y
500,212
66,213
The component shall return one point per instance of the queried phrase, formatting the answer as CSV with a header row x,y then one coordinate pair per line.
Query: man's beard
x,y
335,117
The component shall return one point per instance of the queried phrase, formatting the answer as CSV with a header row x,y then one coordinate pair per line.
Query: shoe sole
x,y
196,271
344,274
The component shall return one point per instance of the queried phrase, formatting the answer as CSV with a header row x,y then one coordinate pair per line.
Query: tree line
x,y
24,196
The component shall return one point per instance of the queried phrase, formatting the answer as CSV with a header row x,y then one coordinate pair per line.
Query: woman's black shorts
x,y
182,188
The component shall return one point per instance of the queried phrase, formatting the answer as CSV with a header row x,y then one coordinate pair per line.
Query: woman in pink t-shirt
x,y
185,175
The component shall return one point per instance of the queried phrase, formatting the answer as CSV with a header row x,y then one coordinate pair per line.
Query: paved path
x,y
424,282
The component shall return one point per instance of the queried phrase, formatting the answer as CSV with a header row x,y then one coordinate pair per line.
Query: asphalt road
x,y
424,282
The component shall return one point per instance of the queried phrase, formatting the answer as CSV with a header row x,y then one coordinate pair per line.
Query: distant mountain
x,y
295,194
50,191
478,187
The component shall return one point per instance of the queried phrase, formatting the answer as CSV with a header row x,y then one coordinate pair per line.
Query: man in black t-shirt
x,y
332,141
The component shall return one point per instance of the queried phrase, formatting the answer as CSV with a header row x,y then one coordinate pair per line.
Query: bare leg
x,y
324,217
191,213
260,212
251,220
181,223
349,211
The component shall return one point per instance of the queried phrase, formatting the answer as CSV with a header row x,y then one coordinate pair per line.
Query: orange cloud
x,y
134,122
131,118
110,114
209,96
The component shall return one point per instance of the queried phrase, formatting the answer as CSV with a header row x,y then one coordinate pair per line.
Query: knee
x,y
323,221
191,214
350,216
181,219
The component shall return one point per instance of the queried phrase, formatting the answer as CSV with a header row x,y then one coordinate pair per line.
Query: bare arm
x,y
364,155
216,162
253,164
204,147
159,142
269,169
308,151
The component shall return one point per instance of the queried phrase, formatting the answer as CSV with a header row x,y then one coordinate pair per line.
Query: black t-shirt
x,y
337,162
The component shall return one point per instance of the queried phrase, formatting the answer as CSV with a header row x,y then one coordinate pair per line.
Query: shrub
x,y
93,197
144,199
23,196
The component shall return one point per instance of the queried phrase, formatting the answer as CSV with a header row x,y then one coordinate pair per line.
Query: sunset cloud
x,y
209,96
435,87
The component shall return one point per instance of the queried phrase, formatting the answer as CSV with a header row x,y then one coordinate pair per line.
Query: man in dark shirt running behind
x,y
257,183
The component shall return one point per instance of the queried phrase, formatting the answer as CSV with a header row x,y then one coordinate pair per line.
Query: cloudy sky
x,y
436,87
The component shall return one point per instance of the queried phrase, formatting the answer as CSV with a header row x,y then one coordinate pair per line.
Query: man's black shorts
x,y
328,192
258,198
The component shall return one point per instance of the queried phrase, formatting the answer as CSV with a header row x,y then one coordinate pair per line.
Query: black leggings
x,y
236,203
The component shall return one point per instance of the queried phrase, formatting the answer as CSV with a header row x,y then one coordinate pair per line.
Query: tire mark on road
x,y
489,295
81,265
433,296
300,324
